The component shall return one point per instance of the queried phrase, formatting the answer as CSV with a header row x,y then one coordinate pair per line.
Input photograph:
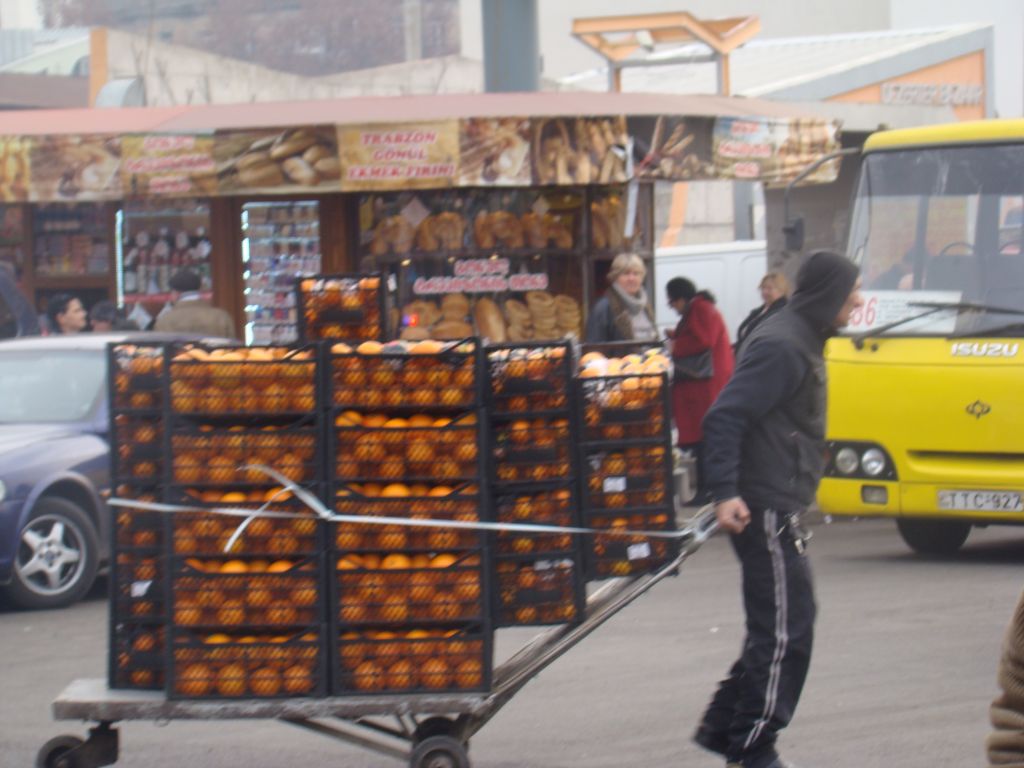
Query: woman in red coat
x,y
702,360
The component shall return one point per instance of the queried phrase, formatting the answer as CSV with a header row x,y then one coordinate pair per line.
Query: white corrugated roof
x,y
16,44
765,66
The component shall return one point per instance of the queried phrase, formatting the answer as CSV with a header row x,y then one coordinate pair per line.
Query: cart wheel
x,y
54,753
434,726
439,752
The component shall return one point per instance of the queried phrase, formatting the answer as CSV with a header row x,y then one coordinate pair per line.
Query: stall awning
x,y
401,142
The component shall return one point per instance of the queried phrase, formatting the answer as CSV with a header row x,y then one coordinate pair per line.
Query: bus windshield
x,y
939,232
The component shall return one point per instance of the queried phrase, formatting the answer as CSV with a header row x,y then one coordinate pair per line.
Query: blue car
x,y
55,465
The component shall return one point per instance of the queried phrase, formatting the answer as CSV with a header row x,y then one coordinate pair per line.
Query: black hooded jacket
x,y
765,433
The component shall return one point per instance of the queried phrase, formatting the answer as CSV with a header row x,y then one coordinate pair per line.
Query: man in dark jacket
x,y
764,458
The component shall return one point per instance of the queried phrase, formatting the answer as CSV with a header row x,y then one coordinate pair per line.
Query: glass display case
x,y
480,262
155,240
280,243
509,265
71,240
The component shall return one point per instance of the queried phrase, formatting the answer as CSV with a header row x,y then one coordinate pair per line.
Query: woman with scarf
x,y
702,362
623,313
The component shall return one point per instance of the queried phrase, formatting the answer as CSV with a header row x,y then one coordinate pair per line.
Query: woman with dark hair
x,y
65,314
702,362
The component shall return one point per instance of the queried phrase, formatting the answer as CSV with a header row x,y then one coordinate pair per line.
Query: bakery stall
x,y
489,214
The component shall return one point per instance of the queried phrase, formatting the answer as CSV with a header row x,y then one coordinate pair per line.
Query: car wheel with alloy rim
x,y
57,556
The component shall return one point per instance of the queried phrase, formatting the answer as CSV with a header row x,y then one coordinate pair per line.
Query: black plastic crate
x,y
426,375
534,450
229,593
529,378
553,507
429,660
219,456
265,536
230,665
633,478
135,378
342,307
137,656
138,586
138,530
256,382
619,409
462,505
386,591
535,592
136,448
613,555
378,449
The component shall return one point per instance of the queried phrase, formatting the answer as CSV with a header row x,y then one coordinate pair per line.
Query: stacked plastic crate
x,y
342,307
137,578
405,440
626,460
538,575
246,603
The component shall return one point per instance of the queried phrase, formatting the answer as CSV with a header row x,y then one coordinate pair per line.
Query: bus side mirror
x,y
794,231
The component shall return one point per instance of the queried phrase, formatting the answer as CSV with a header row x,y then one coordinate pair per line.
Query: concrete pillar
x,y
511,46
412,13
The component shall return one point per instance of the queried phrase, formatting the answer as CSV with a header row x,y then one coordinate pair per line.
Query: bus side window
x,y
1005,280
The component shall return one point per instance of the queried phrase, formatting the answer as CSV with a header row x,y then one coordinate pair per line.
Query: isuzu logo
x,y
985,349
977,409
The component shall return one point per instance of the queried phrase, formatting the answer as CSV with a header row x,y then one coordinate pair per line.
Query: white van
x,y
731,271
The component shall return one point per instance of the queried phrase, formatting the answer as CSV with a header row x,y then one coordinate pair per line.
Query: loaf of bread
x,y
292,143
267,174
454,306
328,167
490,324
393,234
451,329
299,171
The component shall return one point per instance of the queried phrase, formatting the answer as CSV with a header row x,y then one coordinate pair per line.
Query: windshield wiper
x,y
931,308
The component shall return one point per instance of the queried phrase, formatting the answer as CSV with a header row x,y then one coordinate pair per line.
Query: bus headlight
x,y
872,462
853,459
847,461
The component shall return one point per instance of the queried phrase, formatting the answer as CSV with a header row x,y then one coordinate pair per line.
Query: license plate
x,y
981,501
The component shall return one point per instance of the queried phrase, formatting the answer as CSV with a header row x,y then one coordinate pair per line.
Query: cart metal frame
x,y
428,730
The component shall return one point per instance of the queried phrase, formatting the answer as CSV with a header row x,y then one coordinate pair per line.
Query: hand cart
x,y
426,730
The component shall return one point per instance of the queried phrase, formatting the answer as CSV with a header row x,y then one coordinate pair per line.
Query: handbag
x,y
697,366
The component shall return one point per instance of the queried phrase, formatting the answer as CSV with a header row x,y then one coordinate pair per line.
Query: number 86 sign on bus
x,y
884,307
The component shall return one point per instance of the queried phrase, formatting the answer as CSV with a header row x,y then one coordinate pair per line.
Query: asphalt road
x,y
903,672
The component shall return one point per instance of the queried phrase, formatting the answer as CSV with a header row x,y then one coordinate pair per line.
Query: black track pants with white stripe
x,y
760,695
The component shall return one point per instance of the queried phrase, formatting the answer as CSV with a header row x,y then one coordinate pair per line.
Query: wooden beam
x,y
602,24
724,84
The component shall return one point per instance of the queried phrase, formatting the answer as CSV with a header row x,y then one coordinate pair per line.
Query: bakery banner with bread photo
x,y
584,150
494,151
611,232
773,151
15,165
672,148
73,168
168,165
419,155
302,159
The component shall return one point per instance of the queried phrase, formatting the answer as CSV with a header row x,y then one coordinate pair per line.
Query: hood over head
x,y
823,284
